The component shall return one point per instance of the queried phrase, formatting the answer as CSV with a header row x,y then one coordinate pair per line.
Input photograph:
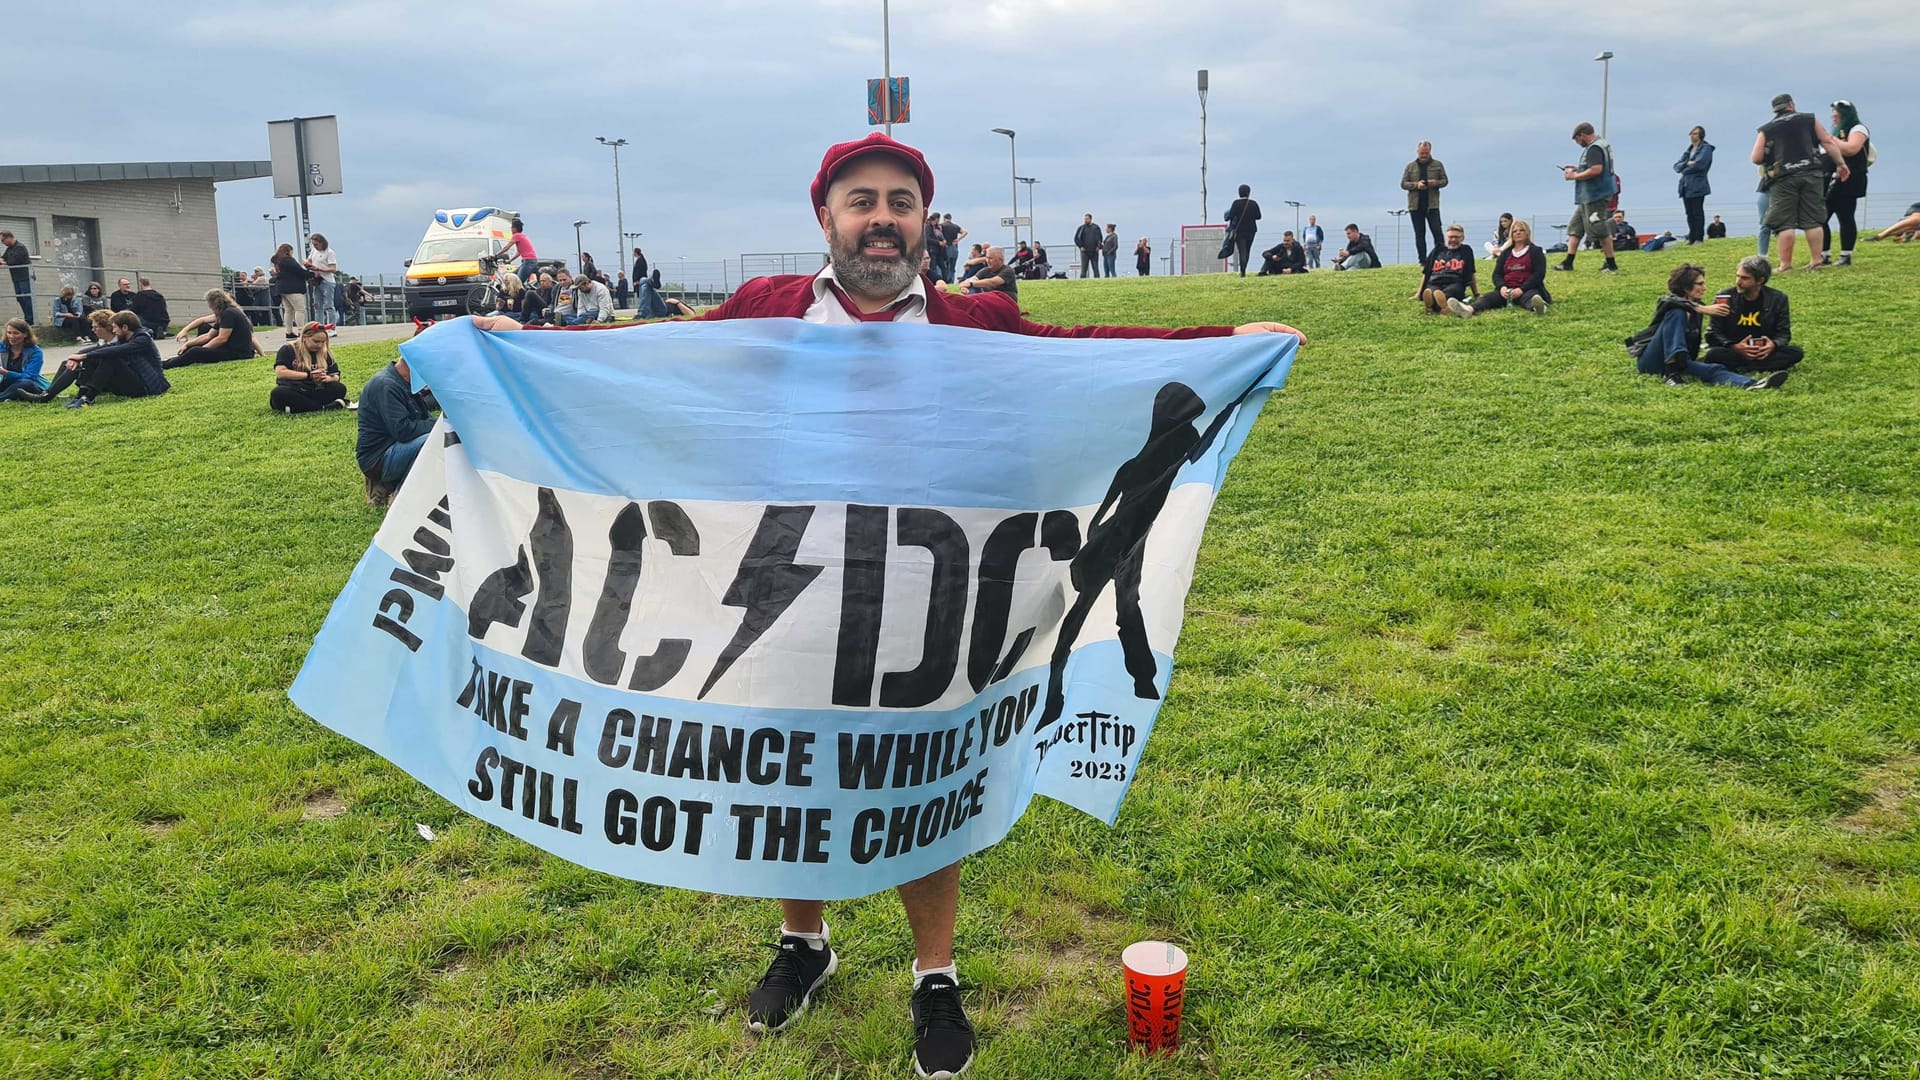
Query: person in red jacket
x,y
870,198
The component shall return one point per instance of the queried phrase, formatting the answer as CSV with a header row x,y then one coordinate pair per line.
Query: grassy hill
x,y
1533,719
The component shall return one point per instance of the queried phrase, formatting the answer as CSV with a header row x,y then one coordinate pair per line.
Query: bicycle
x,y
490,295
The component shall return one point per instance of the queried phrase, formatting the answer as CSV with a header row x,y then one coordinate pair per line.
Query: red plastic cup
x,y
1156,988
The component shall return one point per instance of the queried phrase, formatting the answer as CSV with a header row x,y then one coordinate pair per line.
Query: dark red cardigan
x,y
789,295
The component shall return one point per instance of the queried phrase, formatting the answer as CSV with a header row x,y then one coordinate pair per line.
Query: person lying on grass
x,y
305,378
1904,229
128,366
1670,345
1449,272
1519,277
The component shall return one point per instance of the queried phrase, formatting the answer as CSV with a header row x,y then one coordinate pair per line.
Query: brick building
x,y
102,222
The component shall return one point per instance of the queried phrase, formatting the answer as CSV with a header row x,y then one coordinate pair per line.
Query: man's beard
x,y
874,277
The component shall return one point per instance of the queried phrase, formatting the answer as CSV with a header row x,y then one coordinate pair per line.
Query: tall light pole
x,y
1295,203
274,223
1029,181
1399,218
1605,60
1013,185
619,212
886,67
577,222
1203,145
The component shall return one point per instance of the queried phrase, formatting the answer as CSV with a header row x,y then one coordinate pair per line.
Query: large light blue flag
x,y
776,609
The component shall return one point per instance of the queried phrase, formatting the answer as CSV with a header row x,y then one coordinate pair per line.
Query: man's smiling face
x,y
873,224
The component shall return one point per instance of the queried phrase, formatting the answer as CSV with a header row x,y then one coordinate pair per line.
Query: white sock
x,y
950,971
814,941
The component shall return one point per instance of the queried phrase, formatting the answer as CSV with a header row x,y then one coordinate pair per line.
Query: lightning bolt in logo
x,y
768,583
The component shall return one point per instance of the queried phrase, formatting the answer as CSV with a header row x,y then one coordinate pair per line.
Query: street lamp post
x,y
1013,185
1295,203
1029,181
274,223
619,212
577,222
1203,145
1605,60
1399,219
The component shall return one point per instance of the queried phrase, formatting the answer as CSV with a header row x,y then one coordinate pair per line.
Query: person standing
x,y
1692,167
17,257
936,238
639,270
1243,221
1110,250
1086,238
954,234
1845,195
1593,185
1422,179
620,290
320,292
1785,146
1313,238
290,280
875,247
1143,258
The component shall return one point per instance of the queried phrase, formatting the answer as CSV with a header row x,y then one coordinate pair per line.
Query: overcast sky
x,y
728,105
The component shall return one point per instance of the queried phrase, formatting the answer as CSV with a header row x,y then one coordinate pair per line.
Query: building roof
x,y
216,171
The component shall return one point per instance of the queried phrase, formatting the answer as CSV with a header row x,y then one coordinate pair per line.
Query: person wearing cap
x,y
1797,199
1593,186
869,199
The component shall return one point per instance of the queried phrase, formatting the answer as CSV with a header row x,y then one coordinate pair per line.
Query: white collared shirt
x,y
826,308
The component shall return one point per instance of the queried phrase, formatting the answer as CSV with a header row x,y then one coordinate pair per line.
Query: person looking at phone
x,y
1593,185
1756,333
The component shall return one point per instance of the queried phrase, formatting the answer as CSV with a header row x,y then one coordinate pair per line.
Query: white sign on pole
x,y
1010,222
305,148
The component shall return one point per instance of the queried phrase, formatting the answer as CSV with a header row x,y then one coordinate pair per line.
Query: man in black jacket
x,y
1087,239
121,299
1756,333
1285,257
129,367
1243,224
394,422
152,308
1359,253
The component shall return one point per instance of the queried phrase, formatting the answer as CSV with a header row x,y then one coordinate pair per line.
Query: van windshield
x,y
442,249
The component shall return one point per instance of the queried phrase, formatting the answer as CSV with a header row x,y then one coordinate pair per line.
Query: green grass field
x,y
1533,719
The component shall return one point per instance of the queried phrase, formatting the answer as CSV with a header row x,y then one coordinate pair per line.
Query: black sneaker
x,y
1564,264
783,992
1609,267
942,1036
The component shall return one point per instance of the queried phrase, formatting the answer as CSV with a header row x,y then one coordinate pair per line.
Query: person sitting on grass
x,y
1285,257
20,363
1450,272
1498,244
1670,345
394,422
1716,229
68,316
536,296
305,377
995,276
128,366
1519,278
100,327
1756,333
1625,238
1358,254
151,306
1902,230
593,302
228,334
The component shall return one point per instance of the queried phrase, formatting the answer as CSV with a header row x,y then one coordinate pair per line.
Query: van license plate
x,y
446,303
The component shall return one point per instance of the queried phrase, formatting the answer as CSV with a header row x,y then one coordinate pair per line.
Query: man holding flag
x,y
870,198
